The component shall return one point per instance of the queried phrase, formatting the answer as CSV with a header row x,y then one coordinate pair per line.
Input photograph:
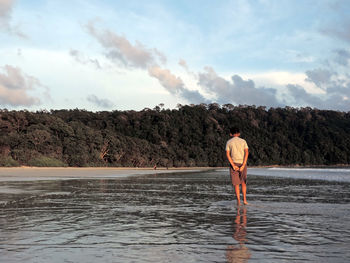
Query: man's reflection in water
x,y
239,253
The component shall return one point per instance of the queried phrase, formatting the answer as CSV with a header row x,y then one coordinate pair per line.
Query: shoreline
x,y
55,173
176,168
64,173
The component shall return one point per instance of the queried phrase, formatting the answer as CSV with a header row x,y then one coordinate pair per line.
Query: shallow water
x,y
188,217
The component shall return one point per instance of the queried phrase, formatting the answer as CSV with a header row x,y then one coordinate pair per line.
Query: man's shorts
x,y
238,177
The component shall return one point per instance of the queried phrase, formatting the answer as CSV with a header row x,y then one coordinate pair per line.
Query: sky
x,y
102,55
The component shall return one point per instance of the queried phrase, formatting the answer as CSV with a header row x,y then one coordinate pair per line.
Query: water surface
x,y
187,217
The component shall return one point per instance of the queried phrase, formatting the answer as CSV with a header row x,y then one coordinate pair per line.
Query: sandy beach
x,y
54,173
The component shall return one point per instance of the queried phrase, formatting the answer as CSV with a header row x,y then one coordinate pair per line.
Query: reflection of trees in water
x,y
239,253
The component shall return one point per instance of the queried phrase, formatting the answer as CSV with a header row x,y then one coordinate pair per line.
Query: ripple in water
x,y
188,217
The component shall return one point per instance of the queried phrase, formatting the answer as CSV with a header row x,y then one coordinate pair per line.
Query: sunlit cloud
x,y
15,87
122,51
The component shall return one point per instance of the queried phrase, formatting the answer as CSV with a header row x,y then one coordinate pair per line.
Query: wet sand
x,y
173,217
50,173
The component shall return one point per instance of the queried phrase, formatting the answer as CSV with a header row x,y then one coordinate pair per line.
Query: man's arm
x,y
228,155
246,153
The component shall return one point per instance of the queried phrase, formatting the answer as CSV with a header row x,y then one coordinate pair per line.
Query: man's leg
x,y
244,192
237,194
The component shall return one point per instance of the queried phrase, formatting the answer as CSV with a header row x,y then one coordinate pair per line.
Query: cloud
x,y
119,49
162,58
175,85
5,13
301,97
333,100
342,57
169,81
102,103
194,96
330,81
238,91
14,87
333,80
79,57
5,18
183,64
320,77
340,31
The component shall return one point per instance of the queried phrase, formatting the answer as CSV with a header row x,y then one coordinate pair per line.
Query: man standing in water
x,y
237,155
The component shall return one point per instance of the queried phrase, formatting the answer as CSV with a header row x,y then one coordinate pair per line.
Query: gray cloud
x,y
330,81
79,57
14,87
340,31
332,101
102,103
238,91
183,64
5,13
334,83
320,77
5,18
301,97
342,57
194,96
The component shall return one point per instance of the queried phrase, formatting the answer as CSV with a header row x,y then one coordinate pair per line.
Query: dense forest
x,y
191,135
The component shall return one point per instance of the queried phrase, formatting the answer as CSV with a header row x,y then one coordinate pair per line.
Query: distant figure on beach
x,y
237,154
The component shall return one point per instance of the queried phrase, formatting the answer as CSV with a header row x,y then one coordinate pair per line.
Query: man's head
x,y
234,131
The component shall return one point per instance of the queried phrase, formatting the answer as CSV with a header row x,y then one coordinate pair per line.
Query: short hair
x,y
234,130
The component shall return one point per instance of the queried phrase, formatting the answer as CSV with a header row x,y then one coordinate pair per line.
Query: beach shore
x,y
47,173
53,173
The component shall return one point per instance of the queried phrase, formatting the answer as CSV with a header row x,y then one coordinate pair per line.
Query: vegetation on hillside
x,y
192,135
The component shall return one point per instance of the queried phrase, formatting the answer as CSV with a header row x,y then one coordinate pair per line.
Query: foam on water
x,y
328,174
326,170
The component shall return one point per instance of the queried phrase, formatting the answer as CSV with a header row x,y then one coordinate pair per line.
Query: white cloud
x,y
280,79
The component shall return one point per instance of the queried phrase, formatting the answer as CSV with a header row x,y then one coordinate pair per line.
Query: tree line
x,y
191,135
